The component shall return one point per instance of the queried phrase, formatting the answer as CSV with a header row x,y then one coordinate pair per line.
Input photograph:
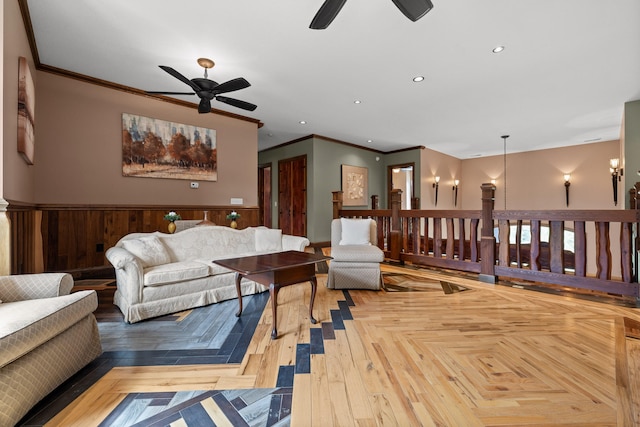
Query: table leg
x,y
239,290
314,285
273,291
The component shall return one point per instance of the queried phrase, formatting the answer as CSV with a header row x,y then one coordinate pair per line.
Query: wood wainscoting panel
x,y
25,252
77,237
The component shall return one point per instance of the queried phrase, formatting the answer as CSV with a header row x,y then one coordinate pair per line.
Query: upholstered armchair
x,y
356,256
47,334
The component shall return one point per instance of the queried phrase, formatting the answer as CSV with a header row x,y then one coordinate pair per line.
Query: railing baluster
x,y
450,238
535,245
556,246
504,245
580,248
461,239
437,237
473,240
626,266
603,257
519,243
426,236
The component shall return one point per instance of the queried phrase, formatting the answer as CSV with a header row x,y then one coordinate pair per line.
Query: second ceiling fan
x,y
412,9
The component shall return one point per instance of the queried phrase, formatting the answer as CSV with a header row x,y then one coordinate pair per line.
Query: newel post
x,y
337,204
395,233
487,239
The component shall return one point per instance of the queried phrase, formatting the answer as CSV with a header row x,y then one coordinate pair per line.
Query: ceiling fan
x,y
208,89
412,9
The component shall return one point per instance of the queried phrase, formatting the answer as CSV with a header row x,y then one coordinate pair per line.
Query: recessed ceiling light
x,y
369,140
418,79
498,49
302,122
357,101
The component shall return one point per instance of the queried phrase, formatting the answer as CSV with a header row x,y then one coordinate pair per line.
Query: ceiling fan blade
x,y
204,106
169,93
414,9
326,14
180,77
231,85
237,103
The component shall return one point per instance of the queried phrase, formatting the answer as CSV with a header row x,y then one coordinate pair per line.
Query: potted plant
x,y
171,217
233,216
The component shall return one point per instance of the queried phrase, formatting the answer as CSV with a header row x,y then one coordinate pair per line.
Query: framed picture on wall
x,y
154,148
355,189
26,110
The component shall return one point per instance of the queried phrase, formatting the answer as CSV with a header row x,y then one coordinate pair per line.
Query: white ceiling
x,y
566,71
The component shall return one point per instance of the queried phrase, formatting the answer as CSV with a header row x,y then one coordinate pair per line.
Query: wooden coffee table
x,y
276,271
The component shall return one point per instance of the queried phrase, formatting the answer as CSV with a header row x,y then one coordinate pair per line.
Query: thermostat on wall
x,y
236,201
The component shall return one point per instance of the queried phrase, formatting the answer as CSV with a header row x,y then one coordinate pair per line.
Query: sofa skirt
x,y
165,304
354,275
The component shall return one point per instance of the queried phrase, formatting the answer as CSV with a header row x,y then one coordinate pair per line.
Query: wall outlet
x,y
195,185
236,201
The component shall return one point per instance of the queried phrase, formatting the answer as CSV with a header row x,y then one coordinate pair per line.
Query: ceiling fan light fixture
x,y
206,63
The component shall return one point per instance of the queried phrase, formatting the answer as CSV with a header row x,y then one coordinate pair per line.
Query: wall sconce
x,y
493,182
455,192
567,183
435,185
616,175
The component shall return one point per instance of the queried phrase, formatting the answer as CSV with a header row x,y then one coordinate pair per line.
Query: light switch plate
x,y
237,201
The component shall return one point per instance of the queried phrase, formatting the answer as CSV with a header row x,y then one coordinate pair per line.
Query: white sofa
x,y
160,273
47,334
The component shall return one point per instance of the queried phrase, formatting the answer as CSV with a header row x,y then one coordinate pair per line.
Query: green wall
x,y
324,160
272,156
631,147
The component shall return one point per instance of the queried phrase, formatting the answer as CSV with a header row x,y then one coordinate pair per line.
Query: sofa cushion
x,y
150,250
174,272
268,240
355,231
214,269
28,324
357,253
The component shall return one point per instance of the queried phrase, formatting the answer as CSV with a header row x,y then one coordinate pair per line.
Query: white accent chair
x,y
356,256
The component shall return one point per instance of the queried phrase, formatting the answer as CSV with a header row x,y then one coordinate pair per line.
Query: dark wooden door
x,y
264,194
292,196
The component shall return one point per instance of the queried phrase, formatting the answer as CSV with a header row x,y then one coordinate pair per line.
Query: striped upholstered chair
x,y
356,256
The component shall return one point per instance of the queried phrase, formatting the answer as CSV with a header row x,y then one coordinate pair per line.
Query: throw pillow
x,y
355,231
268,240
150,250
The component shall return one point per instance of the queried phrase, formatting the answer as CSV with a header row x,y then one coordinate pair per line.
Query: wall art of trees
x,y
154,148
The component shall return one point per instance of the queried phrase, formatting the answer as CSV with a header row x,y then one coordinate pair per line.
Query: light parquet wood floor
x,y
489,356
